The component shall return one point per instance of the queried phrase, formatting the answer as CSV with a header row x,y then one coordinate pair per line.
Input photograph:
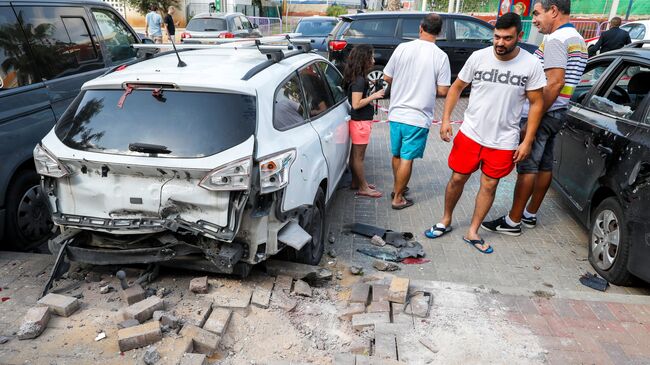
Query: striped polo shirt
x,y
565,48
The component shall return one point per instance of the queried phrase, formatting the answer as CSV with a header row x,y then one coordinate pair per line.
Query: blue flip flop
x,y
437,231
478,242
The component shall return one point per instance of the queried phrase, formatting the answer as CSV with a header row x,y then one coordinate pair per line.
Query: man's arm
x,y
388,79
442,91
536,99
554,85
446,132
598,44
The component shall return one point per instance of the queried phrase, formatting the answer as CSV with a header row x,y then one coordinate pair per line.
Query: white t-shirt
x,y
498,96
417,68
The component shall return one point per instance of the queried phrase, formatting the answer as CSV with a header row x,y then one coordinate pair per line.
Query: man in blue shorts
x,y
417,71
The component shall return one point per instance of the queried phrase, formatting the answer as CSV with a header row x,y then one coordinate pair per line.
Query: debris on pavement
x,y
199,285
332,253
59,304
193,359
302,288
356,270
151,356
418,304
594,281
133,294
128,323
34,323
143,310
411,249
429,345
385,265
105,289
360,293
398,290
314,275
331,238
366,230
377,241
139,336
100,336
379,254
4,339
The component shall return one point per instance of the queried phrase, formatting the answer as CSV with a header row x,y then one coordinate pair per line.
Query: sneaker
x,y
529,222
500,226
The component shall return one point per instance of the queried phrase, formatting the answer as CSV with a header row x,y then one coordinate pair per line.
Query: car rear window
x,y
207,25
315,27
188,124
372,28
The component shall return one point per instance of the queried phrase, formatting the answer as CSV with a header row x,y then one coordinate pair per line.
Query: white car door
x,y
329,119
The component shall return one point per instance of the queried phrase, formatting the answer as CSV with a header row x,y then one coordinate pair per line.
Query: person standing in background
x,y
612,39
170,26
153,25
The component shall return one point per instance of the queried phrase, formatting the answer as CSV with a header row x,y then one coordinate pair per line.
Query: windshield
x,y
187,124
316,27
207,25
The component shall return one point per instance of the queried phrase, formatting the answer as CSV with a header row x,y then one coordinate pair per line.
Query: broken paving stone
x,y
199,285
385,346
218,321
382,265
379,292
167,319
139,336
203,341
360,293
363,321
34,323
128,323
429,345
162,292
302,288
418,305
353,308
193,359
194,312
356,270
59,304
398,289
377,241
151,356
261,298
379,307
283,282
143,310
133,294
315,275
360,346
282,300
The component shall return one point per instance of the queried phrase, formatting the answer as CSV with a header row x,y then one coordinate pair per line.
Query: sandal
x,y
407,203
474,243
438,230
406,190
374,194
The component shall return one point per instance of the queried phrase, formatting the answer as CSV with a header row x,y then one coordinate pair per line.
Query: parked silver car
x,y
219,25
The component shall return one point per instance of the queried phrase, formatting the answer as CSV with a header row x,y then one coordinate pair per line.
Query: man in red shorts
x,y
502,78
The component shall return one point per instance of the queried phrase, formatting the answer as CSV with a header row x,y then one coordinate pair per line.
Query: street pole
x,y
629,9
612,11
450,9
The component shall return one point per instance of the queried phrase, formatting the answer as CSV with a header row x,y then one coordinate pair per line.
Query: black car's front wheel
x,y
608,243
375,76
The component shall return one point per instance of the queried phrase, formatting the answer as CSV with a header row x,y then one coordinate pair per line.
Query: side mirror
x,y
147,41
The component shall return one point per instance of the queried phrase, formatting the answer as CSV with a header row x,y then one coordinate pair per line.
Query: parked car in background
x,y
460,36
316,28
246,175
48,49
602,164
219,25
639,31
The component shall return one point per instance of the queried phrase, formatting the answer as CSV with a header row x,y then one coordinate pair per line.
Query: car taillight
x,y
337,45
274,171
226,35
47,164
185,35
233,176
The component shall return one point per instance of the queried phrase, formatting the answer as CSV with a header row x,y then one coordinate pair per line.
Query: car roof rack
x,y
266,45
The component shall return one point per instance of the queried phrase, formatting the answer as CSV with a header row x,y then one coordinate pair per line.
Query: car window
x,y
334,80
468,30
108,121
238,24
589,78
245,23
625,94
116,35
340,29
315,27
60,40
317,97
289,105
411,29
372,28
16,65
206,25
637,31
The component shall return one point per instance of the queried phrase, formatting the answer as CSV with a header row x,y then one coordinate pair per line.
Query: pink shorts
x,y
360,131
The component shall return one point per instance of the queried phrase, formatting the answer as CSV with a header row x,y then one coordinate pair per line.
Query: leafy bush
x,y
336,10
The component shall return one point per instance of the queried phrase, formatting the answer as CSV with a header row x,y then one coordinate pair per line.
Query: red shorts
x,y
466,156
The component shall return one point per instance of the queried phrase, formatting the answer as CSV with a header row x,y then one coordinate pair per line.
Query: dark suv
x,y
461,35
48,49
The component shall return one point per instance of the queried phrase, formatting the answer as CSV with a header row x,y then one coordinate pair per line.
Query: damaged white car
x,y
217,164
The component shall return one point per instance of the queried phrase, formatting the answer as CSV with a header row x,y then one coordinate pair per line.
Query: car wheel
x,y
313,221
608,244
28,222
374,76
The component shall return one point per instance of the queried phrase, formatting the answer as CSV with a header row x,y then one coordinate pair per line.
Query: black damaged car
x,y
602,162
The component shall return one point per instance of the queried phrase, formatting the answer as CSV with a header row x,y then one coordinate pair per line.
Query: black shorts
x,y
541,155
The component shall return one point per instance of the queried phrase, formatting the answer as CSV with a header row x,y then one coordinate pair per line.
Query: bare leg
x,y
523,190
395,164
542,184
453,193
484,200
402,177
356,165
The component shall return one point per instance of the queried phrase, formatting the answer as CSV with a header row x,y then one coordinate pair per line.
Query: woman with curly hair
x,y
359,63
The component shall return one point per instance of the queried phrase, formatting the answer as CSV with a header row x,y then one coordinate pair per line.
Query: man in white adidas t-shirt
x,y
503,77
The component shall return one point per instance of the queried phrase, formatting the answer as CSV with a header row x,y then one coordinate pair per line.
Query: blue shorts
x,y
406,141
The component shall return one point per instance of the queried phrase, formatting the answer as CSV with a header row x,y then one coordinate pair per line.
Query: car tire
x,y
609,246
377,73
28,221
313,221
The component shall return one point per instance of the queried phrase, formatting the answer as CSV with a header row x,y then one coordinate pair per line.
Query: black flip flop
x,y
479,242
406,190
402,206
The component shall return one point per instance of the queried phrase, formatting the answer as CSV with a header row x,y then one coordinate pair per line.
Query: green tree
x,y
142,6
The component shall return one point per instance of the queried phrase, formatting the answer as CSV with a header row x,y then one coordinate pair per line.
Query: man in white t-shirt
x,y
417,71
503,77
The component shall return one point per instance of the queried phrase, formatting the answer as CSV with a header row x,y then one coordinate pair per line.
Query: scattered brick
x,y
203,341
193,359
143,310
34,323
283,282
346,313
378,307
59,304
359,293
199,285
398,290
218,321
139,336
261,298
132,294
385,346
301,288
368,320
167,319
379,292
128,323
360,346
418,305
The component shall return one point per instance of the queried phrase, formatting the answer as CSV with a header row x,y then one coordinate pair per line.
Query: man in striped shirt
x,y
563,53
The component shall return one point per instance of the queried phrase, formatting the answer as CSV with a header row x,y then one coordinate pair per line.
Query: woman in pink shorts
x,y
359,63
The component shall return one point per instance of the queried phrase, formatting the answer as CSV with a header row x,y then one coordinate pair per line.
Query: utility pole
x,y
450,9
629,9
612,11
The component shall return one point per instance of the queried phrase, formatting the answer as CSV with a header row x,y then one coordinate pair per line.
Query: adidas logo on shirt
x,y
501,78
